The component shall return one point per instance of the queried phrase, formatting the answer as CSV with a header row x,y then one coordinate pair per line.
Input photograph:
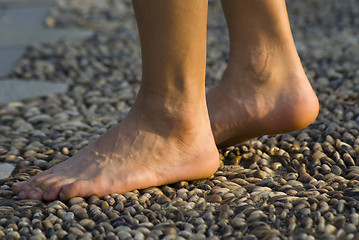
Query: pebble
x,y
68,217
256,215
329,229
339,221
354,217
13,235
80,213
311,174
215,198
350,228
76,231
323,207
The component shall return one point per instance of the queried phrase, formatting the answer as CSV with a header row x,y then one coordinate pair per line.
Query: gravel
x,y
301,185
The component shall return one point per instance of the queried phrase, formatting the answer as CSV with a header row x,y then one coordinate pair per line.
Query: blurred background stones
x,y
21,25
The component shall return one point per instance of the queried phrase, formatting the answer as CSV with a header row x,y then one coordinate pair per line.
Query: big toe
x,y
18,187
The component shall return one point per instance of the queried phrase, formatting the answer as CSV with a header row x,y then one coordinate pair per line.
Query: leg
x,y
264,89
166,136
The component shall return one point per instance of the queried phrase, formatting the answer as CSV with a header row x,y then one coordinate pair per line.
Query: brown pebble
x,y
215,198
163,199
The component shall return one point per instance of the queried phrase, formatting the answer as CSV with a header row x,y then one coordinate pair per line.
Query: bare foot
x,y
147,149
263,93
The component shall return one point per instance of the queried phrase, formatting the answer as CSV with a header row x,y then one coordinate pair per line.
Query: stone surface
x,y
23,18
14,37
8,58
26,3
2,10
5,170
15,89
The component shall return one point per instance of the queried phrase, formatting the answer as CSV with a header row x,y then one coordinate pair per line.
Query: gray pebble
x,y
350,228
68,217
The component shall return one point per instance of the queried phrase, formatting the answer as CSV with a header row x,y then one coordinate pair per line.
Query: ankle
x,y
171,115
262,64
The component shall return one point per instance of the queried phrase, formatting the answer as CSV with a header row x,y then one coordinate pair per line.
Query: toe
x,y
36,193
76,189
44,186
25,190
52,192
18,187
30,192
23,195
